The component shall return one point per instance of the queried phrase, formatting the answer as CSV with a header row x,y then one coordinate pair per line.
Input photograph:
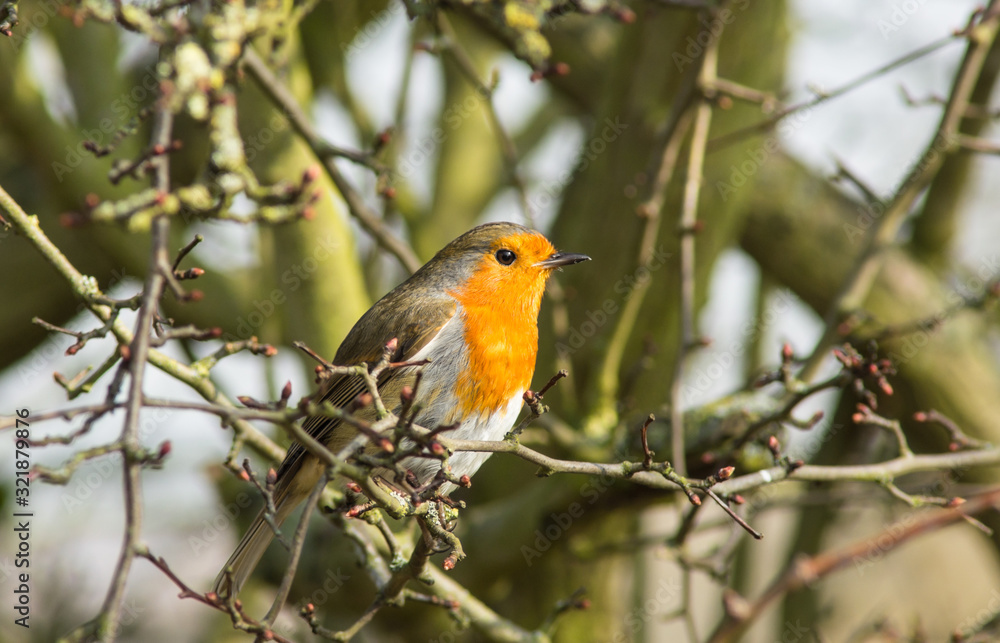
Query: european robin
x,y
472,311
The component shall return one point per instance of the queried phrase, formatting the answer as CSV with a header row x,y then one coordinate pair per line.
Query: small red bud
x,y
311,174
437,449
886,387
70,219
195,295
125,352
72,350
786,351
725,473
286,390
858,418
920,416
392,345
738,499
354,486
387,445
244,476
772,443
272,476
465,481
956,501
165,449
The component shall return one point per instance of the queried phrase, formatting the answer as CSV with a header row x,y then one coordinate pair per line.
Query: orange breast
x,y
501,333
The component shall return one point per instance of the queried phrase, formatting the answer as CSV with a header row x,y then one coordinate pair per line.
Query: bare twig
x,y
110,616
687,228
980,34
806,571
367,217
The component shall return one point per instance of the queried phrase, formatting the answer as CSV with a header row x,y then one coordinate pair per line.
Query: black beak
x,y
560,259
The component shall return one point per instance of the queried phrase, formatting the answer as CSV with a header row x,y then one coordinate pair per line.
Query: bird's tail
x,y
250,550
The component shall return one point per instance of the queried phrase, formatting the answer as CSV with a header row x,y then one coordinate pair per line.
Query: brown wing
x,y
413,316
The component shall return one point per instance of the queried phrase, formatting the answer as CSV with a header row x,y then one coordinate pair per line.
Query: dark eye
x,y
506,257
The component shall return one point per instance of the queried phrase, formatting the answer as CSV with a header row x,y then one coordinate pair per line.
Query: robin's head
x,y
502,265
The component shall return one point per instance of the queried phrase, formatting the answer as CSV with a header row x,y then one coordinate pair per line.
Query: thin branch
x,y
687,228
769,123
293,560
806,571
980,34
368,218
110,617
